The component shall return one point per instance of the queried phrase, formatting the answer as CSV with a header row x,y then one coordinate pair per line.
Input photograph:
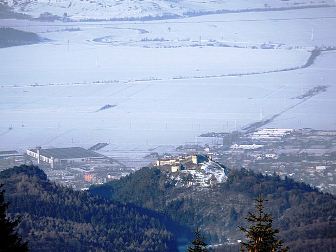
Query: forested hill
x,y
306,217
56,218
12,37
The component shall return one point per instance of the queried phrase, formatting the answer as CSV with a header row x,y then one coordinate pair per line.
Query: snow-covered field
x,y
166,81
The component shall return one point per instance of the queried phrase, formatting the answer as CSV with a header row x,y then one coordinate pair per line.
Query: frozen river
x,y
144,86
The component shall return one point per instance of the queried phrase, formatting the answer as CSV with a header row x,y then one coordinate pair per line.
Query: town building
x,y
63,156
170,161
270,134
246,146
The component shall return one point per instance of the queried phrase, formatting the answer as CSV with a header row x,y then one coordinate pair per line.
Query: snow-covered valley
x,y
166,81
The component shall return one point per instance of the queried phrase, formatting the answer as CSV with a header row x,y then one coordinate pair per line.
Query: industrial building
x,y
63,156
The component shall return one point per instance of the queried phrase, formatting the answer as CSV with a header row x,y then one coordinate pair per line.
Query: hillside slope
x,y
56,218
148,9
306,217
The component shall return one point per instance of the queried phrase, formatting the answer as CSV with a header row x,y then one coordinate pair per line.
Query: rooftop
x,y
67,153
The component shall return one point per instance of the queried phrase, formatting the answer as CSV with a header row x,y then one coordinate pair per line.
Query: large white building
x,y
271,133
63,156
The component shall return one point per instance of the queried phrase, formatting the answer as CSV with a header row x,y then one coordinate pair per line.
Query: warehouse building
x,y
63,156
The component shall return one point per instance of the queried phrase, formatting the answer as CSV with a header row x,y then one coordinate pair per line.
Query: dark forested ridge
x,y
306,217
12,37
56,218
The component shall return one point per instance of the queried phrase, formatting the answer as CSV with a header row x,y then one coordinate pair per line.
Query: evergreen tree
x,y
9,239
198,244
261,237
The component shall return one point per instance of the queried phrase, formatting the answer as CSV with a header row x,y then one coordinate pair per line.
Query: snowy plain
x,y
167,81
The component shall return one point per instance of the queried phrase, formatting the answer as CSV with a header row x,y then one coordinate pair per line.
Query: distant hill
x,y
306,217
56,218
149,9
7,12
12,37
